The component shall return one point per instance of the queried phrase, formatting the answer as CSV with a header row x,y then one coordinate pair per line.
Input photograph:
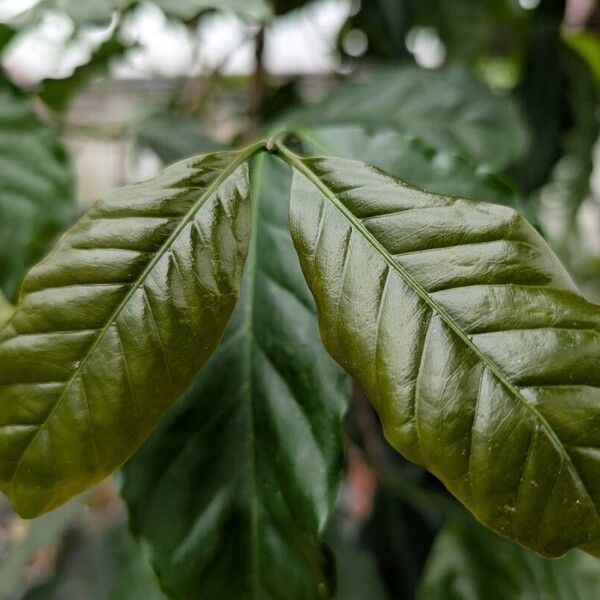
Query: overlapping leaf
x,y
409,158
467,562
469,338
114,324
36,195
448,110
232,491
174,137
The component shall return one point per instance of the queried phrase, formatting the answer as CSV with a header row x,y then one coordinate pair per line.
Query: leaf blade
x,y
447,109
264,420
452,279
101,321
469,562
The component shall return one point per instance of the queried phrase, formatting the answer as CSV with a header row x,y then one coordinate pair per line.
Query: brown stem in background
x,y
432,503
258,85
369,430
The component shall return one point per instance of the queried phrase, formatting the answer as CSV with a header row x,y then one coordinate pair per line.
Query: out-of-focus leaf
x,y
105,566
410,159
570,181
471,29
356,568
587,45
32,536
541,94
174,137
36,190
58,93
449,110
470,339
468,562
283,6
385,23
399,537
6,34
114,324
233,490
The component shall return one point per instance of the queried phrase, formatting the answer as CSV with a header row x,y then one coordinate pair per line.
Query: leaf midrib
x,y
298,163
248,327
242,157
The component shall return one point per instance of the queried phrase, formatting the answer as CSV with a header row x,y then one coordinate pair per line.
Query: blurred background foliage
x,y
493,99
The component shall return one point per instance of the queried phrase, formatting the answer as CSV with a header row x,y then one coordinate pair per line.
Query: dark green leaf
x,y
470,339
570,180
36,195
541,95
471,30
284,6
6,35
587,45
469,563
173,137
58,93
233,490
114,324
399,538
448,110
386,24
356,568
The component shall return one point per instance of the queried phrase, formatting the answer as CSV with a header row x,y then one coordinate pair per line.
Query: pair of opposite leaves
x,y
466,332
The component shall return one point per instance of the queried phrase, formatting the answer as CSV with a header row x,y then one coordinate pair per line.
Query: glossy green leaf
x,y
173,137
409,158
468,562
233,490
470,339
36,193
449,110
114,324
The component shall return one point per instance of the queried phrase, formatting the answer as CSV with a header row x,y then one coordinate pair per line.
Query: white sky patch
x,y
301,42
